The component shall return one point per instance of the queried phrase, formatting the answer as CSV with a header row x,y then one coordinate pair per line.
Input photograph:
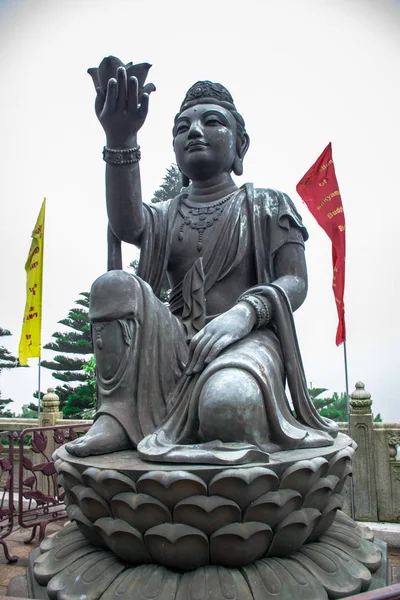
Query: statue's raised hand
x,y
122,98
121,109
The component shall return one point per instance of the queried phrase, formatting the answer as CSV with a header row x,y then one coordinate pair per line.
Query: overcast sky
x,y
302,73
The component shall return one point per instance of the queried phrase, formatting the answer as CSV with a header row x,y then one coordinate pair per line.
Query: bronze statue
x,y
202,380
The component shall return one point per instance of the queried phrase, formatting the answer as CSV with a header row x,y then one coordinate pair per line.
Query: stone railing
x,y
50,416
376,463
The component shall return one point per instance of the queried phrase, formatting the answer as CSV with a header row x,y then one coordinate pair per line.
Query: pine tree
x,y
5,413
334,407
7,361
171,185
75,348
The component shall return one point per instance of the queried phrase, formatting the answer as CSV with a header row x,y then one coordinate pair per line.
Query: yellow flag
x,y
30,343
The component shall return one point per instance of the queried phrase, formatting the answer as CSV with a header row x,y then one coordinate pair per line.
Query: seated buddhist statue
x,y
201,380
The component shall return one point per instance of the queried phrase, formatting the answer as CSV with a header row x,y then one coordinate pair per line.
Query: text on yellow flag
x,y
30,343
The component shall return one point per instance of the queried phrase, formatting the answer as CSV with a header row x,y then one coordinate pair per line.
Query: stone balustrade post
x,y
49,415
364,472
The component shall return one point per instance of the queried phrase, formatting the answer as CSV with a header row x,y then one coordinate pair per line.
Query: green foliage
x,y
32,407
90,371
5,413
7,360
314,393
171,185
75,352
28,411
82,402
334,407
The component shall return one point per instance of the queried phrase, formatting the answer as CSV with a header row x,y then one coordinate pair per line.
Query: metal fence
x,y
32,498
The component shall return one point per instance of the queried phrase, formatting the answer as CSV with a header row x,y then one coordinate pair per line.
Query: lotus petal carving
x,y
49,564
327,517
87,579
177,546
293,531
84,525
339,462
140,510
273,507
69,533
274,578
73,568
122,539
213,583
320,493
359,548
239,544
90,503
360,530
340,575
61,483
146,582
170,487
107,483
243,486
207,513
303,474
342,482
71,476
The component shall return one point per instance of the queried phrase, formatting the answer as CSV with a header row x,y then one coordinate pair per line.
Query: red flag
x,y
320,191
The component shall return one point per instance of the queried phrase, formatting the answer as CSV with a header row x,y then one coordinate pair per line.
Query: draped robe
x,y
266,219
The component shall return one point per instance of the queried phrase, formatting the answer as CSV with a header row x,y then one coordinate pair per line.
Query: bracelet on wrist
x,y
123,156
260,306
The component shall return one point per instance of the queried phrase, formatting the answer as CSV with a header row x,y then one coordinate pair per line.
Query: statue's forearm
x,y
124,200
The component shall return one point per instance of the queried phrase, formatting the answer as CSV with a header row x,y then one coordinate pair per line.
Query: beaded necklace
x,y
200,217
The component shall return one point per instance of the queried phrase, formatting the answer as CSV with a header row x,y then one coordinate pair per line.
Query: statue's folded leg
x,y
140,353
235,411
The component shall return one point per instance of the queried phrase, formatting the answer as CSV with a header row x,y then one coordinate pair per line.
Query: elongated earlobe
x,y
238,165
243,144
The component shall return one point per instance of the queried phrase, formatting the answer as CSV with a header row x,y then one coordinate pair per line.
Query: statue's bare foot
x,y
106,435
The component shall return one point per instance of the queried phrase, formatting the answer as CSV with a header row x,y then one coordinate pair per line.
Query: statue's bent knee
x,y
113,311
231,407
114,296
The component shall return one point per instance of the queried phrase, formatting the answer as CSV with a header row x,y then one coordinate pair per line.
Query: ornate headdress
x,y
207,92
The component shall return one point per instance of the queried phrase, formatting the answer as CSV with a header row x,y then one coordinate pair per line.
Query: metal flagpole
x,y
352,504
39,364
347,387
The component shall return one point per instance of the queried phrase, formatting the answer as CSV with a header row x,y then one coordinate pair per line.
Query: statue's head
x,y
208,111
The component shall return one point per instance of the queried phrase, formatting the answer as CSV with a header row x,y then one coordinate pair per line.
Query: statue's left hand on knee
x,y
232,326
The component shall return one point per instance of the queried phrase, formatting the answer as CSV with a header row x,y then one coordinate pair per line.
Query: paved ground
x,y
17,547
